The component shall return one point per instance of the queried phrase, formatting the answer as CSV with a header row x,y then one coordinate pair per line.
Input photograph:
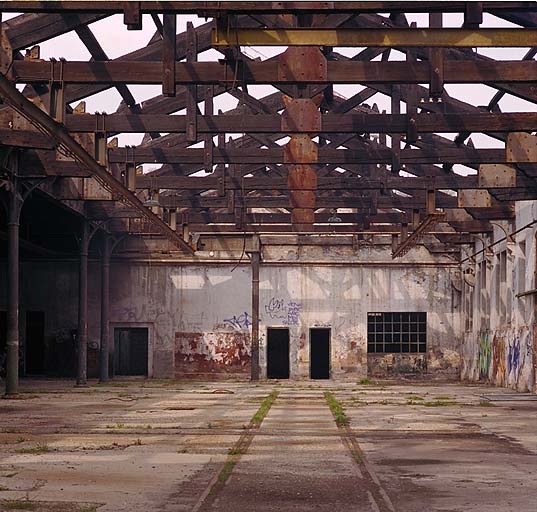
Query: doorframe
x,y
134,325
286,327
329,329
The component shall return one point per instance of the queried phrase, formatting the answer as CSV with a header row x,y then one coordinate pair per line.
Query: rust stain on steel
x,y
302,63
213,352
302,114
300,150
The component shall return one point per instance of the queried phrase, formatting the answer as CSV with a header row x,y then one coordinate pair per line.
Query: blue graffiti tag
x,y
242,321
513,356
288,313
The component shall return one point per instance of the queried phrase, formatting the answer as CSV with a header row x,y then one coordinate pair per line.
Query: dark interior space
x,y
3,341
278,353
35,343
320,353
130,350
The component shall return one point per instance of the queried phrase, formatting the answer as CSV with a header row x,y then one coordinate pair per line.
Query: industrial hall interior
x,y
270,256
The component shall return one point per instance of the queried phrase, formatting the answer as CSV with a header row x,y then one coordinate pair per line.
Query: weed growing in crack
x,y
336,408
34,450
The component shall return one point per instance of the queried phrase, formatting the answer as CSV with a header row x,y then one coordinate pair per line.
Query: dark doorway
x,y
3,342
277,353
35,343
320,353
130,350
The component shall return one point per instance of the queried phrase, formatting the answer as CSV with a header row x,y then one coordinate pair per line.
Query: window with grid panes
x,y
396,332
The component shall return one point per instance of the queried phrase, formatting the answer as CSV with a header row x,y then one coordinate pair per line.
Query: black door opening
x,y
35,343
130,350
277,353
3,343
320,353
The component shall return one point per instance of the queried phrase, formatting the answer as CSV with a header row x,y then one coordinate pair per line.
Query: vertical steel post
x,y
82,338
105,310
255,257
12,361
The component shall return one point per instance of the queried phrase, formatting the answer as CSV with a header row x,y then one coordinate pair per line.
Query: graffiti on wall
x,y
513,356
287,312
498,359
485,355
506,357
241,321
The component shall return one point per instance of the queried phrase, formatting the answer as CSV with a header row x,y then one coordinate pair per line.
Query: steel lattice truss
x,y
300,159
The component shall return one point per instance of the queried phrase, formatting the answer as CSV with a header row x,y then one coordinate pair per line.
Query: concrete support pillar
x,y
255,258
12,361
105,310
82,338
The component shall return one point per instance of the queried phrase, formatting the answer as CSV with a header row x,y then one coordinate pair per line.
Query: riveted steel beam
x,y
391,37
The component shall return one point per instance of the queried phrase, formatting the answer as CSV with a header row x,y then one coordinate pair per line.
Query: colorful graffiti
x,y
506,357
287,312
498,359
485,355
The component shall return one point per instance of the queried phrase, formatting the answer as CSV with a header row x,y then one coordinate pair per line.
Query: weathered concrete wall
x,y
500,348
198,315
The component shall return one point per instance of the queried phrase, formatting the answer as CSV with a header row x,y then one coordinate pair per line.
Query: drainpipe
x,y
82,338
12,362
105,310
255,258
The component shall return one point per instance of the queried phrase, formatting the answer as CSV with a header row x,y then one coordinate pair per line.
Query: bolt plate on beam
x,y
306,63
496,176
474,198
300,115
521,147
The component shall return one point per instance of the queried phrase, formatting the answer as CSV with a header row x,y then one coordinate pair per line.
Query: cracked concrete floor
x,y
161,445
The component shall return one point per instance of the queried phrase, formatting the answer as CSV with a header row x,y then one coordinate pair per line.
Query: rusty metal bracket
x,y
412,128
169,29
473,14
192,90
411,241
208,146
132,15
436,83
57,90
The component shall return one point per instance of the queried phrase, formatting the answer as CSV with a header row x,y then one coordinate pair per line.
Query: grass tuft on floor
x,y
34,450
336,408
440,403
264,408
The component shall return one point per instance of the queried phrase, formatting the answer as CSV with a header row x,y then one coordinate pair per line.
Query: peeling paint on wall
x,y
211,352
394,365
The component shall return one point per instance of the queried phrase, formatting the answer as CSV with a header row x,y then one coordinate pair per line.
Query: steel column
x,y
82,338
104,354
255,258
12,361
